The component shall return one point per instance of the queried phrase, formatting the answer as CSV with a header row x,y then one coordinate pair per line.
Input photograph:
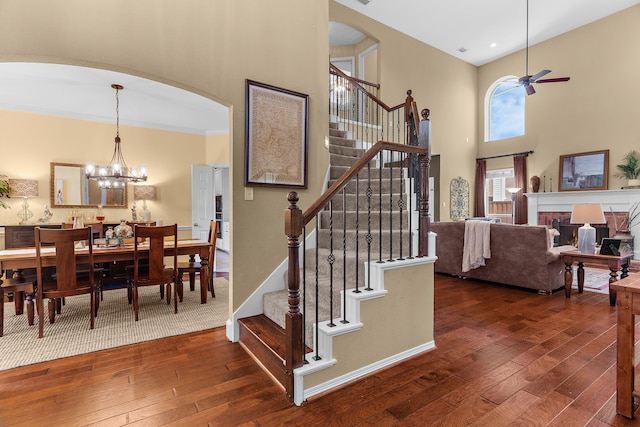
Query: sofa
x,y
521,255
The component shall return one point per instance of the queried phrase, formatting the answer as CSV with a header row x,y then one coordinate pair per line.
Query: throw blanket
x,y
476,244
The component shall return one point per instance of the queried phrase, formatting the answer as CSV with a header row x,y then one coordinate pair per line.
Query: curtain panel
x,y
520,174
481,179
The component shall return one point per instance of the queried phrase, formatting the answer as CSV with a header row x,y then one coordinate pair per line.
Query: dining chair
x,y
127,266
97,232
141,223
192,266
96,228
21,289
70,278
149,261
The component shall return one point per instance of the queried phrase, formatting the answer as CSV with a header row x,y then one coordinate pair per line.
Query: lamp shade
x,y
144,192
587,213
23,188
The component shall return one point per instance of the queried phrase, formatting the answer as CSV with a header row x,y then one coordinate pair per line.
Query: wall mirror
x,y
71,189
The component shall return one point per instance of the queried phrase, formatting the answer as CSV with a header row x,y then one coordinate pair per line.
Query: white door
x,y
202,196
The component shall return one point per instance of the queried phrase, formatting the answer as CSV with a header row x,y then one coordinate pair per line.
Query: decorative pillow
x,y
551,233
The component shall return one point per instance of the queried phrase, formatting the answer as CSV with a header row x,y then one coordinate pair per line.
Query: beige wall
x,y
440,82
597,109
401,330
35,140
217,149
209,48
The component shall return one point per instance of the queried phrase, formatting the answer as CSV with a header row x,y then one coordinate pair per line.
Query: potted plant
x,y
5,189
623,231
630,169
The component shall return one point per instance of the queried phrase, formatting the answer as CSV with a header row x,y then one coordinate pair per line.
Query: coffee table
x,y
615,264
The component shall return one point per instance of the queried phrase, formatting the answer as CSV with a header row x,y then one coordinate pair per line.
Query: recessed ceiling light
x,y
493,45
462,49
364,1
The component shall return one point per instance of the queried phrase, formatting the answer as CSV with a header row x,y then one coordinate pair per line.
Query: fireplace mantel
x,y
611,200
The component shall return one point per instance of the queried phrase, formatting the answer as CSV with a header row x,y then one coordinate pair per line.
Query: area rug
x,y
595,279
115,325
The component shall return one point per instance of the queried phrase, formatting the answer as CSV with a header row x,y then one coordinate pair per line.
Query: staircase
x,y
346,272
360,223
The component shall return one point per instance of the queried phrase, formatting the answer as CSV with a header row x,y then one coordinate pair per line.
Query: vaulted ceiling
x,y
451,26
476,25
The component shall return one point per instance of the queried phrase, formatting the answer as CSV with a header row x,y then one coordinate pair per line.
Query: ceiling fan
x,y
528,80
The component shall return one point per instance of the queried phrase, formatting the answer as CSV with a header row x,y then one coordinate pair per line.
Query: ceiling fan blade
x,y
515,86
535,77
530,90
557,79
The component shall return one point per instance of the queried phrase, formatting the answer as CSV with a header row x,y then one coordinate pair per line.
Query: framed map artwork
x,y
276,136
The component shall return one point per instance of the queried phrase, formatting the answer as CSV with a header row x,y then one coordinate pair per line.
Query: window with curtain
x,y
504,109
497,198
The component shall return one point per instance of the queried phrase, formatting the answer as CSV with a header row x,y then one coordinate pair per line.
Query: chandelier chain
x,y
117,173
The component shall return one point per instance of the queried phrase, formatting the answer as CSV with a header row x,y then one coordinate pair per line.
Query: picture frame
x,y
277,122
610,247
584,171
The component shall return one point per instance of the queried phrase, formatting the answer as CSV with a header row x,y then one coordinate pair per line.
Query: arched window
x,y
504,109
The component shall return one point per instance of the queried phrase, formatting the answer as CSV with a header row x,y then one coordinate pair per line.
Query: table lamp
x,y
24,188
144,193
587,214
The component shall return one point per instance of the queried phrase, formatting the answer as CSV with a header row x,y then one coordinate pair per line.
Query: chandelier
x,y
117,174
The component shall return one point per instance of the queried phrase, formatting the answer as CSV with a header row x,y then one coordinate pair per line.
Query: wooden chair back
x,y
64,241
141,223
96,228
158,237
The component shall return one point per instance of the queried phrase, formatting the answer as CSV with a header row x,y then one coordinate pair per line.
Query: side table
x,y
628,292
615,264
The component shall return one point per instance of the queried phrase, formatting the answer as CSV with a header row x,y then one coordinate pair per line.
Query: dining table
x,y
24,258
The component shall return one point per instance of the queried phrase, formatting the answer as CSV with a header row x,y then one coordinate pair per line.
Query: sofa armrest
x,y
553,254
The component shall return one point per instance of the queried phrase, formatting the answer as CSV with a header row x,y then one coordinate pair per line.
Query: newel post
x,y
293,319
424,140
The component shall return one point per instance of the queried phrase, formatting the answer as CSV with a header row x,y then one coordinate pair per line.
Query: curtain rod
x,y
505,155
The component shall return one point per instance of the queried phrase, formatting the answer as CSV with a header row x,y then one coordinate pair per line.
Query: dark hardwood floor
x,y
504,356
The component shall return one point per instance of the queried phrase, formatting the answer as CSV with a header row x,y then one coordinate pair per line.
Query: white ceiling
x,y
86,93
475,24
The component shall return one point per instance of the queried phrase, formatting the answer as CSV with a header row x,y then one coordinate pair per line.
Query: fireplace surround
x,y
544,208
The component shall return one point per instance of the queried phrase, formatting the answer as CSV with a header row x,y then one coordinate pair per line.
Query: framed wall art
x,y
276,136
584,171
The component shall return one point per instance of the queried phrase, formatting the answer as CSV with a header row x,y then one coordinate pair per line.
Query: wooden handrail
x,y
319,204
332,69
374,98
411,111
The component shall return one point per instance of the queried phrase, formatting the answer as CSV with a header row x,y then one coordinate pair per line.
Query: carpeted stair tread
x,y
339,160
378,239
336,171
365,218
397,183
345,151
342,141
385,202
